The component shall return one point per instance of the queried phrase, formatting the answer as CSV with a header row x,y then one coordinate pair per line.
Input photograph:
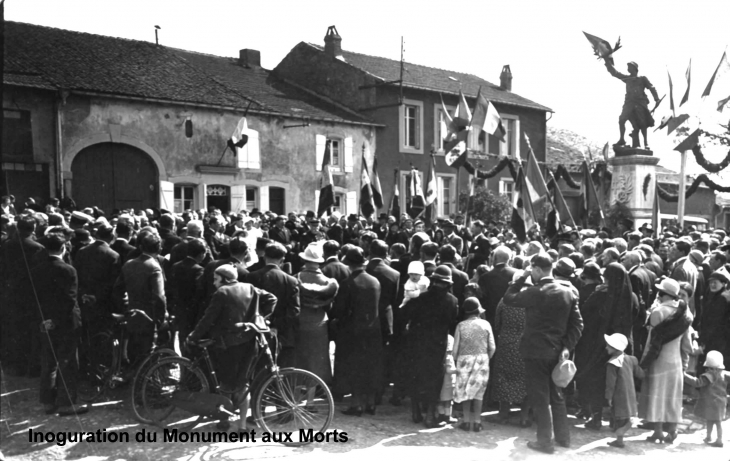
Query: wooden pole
x,y
680,202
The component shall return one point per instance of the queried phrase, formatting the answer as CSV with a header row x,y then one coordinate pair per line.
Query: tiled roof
x,y
95,63
433,79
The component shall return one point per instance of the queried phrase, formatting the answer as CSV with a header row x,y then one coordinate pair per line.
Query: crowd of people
x,y
453,316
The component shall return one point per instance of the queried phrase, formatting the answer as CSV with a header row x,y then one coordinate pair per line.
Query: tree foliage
x,y
486,205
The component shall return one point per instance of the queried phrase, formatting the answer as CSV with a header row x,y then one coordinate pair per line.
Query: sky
x,y
552,62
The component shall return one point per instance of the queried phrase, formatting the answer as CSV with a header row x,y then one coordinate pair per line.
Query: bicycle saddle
x,y
119,317
205,343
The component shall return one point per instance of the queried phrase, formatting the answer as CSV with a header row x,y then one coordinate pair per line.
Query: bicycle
x,y
180,394
104,365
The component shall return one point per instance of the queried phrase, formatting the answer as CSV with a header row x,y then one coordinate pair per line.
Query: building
x,y
129,124
405,99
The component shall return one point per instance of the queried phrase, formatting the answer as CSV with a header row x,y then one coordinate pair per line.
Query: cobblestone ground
x,y
389,434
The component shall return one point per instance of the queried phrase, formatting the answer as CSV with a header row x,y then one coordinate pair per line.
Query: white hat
x,y
313,253
617,341
714,360
669,287
416,267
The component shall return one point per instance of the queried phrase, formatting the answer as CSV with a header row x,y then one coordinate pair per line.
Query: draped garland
x,y
670,197
562,172
481,174
709,166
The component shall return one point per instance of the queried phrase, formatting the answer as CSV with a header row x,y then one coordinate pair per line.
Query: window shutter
x,y
253,156
418,127
319,151
352,203
348,155
167,195
264,198
517,136
316,201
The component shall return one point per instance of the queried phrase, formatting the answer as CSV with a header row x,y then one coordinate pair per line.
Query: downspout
x,y
58,103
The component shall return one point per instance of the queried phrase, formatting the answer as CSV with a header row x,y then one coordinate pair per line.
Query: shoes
x,y
655,439
370,410
223,425
416,414
476,427
563,443
353,411
670,437
716,443
49,408
465,427
616,443
593,425
549,449
73,410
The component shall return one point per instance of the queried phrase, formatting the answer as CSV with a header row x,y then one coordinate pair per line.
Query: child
x,y
473,347
417,282
713,397
620,392
447,387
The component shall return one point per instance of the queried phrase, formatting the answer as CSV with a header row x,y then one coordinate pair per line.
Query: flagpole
x,y
680,202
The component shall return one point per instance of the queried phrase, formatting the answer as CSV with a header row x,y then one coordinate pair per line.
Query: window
x,y
339,203
184,198
439,121
335,151
403,188
506,187
511,146
446,198
17,134
249,156
411,127
341,158
251,198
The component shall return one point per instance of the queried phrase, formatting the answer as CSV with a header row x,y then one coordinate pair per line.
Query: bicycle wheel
x,y
292,400
162,386
136,388
97,366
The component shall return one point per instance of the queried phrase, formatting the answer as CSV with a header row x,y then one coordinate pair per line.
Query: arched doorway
x,y
113,175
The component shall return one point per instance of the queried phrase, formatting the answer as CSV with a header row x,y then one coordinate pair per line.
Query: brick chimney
x,y
249,58
333,43
505,78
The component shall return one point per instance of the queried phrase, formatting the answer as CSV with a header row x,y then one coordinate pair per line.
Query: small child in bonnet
x,y
417,282
713,395
620,392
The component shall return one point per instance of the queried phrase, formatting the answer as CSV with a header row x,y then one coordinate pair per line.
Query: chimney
x,y
333,43
505,78
249,58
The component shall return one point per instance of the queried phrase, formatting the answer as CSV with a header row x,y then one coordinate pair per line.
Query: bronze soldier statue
x,y
636,104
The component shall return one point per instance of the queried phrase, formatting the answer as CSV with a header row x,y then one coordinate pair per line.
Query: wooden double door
x,y
115,176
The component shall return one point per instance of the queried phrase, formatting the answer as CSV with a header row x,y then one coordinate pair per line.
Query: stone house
x,y
405,99
129,124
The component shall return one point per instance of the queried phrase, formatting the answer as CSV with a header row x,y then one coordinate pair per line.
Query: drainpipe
x,y
59,102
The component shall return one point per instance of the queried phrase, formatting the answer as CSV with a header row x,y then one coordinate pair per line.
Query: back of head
x,y
378,249
620,244
502,254
447,253
683,246
429,250
612,253
195,228
577,259
543,261
274,251
26,225
398,250
150,243
633,258
54,242
196,247
167,221
237,246
330,248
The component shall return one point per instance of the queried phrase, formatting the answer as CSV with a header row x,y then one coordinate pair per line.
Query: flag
x,y
367,207
561,206
448,127
602,48
671,93
656,222
431,191
523,218
674,122
377,190
456,153
533,177
689,142
589,197
487,118
416,202
687,76
720,82
395,201
326,185
238,139
462,115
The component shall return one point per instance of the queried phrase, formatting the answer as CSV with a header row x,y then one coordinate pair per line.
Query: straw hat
x,y
313,253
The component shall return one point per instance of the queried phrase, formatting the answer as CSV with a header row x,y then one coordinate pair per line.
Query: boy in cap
x,y
713,395
621,370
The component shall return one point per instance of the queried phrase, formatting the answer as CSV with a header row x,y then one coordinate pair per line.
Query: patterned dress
x,y
473,347
508,384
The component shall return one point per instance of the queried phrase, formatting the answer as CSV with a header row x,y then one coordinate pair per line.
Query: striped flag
x,y
395,201
534,179
431,191
589,197
377,190
416,201
326,185
367,207
523,217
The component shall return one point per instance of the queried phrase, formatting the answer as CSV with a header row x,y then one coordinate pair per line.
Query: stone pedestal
x,y
633,184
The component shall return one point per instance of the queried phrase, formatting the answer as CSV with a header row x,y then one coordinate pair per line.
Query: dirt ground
x,y
390,434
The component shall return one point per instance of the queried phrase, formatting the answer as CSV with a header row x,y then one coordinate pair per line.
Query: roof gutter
x,y
218,107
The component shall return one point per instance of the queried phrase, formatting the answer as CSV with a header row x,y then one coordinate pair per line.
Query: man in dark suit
x,y
429,251
98,267
447,255
17,303
144,283
381,229
167,234
180,251
332,267
642,284
187,288
553,326
495,282
261,244
451,237
279,233
56,284
213,236
121,244
286,289
359,346
239,252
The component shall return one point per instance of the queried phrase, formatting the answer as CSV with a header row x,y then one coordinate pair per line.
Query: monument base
x,y
623,151
634,182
